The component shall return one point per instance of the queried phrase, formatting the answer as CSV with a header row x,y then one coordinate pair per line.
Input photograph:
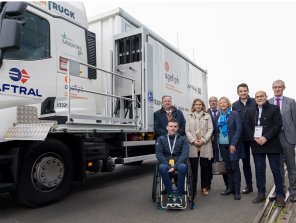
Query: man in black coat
x,y
262,126
167,112
242,105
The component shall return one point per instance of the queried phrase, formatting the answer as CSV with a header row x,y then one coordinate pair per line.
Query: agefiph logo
x,y
17,76
168,76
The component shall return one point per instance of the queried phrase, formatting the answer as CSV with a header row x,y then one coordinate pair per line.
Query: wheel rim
x,y
47,172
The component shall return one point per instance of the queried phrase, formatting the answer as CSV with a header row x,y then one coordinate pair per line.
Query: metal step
x,y
6,159
5,187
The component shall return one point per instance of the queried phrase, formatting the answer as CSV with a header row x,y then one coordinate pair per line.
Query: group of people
x,y
227,132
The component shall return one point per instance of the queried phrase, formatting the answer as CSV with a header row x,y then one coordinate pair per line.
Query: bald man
x,y
263,125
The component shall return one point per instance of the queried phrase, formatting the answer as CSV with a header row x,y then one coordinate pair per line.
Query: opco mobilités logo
x,y
17,75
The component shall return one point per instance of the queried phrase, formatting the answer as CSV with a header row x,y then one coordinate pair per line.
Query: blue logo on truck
x,y
17,75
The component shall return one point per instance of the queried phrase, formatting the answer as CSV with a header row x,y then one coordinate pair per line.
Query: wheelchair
x,y
159,193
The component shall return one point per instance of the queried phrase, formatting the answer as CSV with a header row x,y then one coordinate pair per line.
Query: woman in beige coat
x,y
199,129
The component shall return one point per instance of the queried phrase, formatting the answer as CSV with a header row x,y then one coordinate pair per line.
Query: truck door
x,y
128,59
71,44
28,75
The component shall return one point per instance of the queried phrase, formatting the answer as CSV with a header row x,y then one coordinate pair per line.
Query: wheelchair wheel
x,y
190,189
155,185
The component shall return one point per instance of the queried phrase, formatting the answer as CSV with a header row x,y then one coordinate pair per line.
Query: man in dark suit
x,y
241,106
288,133
262,126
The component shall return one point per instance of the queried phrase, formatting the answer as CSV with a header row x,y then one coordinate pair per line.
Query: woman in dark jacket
x,y
228,138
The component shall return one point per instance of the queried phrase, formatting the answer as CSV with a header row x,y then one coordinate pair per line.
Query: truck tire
x,y
45,175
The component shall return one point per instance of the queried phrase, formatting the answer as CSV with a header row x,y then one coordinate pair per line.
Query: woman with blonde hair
x,y
199,128
229,145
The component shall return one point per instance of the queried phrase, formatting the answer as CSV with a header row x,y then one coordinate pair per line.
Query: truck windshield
x,y
35,43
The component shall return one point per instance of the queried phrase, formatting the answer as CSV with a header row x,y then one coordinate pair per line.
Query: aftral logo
x,y
15,89
16,75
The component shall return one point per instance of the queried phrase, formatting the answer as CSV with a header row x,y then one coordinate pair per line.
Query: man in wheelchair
x,y
172,152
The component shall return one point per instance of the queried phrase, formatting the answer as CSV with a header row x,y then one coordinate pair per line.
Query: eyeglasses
x,y
259,96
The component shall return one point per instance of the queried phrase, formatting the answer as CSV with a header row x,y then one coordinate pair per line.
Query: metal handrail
x,y
132,99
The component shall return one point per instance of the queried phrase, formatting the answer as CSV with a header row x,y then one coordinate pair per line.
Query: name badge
x,y
172,162
258,131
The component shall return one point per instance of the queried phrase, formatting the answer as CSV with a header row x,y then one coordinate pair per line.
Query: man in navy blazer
x,y
163,115
287,134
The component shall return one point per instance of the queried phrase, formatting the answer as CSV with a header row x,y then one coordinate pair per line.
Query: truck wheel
x,y
45,175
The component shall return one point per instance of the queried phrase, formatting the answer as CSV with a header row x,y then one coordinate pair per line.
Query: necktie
x,y
214,113
278,102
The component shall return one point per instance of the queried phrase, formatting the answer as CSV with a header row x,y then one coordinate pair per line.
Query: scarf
x,y
222,122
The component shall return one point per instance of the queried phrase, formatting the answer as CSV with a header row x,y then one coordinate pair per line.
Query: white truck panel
x,y
174,76
165,71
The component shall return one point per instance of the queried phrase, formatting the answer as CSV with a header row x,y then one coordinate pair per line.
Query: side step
x,y
7,159
6,179
4,187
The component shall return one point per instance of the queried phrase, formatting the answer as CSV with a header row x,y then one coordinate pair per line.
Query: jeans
x,y
181,169
247,165
260,166
233,171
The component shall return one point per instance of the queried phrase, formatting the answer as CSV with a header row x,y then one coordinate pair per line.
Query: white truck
x,y
79,97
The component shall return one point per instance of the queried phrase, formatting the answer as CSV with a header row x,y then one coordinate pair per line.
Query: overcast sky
x,y
235,41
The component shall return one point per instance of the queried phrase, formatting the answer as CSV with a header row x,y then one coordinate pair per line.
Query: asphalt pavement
x,y
124,196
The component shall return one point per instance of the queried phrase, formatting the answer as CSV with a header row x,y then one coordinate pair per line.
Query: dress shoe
x,y
247,190
237,196
280,201
272,197
293,199
259,199
226,192
204,192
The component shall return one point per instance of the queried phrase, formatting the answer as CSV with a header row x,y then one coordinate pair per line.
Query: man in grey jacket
x,y
288,133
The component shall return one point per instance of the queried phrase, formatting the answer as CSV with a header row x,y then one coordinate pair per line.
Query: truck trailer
x,y
77,97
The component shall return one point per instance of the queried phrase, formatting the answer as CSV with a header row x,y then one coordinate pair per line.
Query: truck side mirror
x,y
10,36
14,8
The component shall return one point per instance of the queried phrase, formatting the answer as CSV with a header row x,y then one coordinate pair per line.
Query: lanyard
x,y
172,149
259,116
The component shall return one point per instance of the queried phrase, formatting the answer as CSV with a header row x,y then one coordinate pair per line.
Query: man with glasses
x,y
262,127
